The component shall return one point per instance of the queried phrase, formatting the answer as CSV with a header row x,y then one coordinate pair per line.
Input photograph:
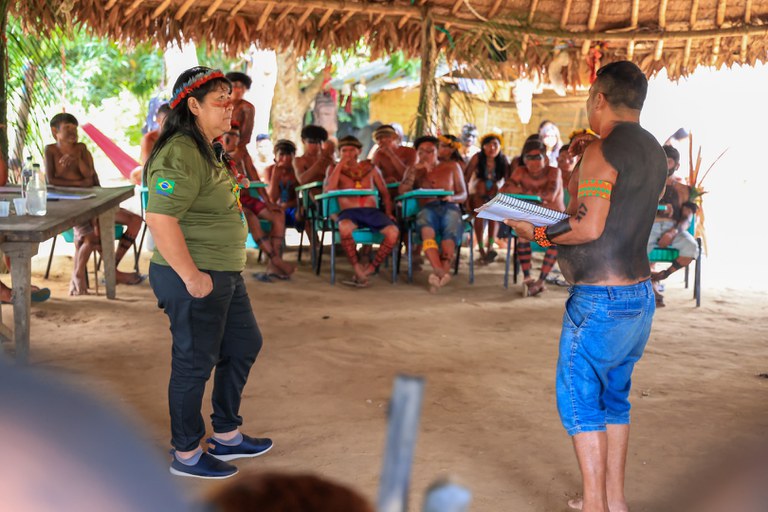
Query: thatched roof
x,y
526,34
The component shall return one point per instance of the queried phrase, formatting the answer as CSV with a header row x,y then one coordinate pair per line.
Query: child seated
x,y
68,163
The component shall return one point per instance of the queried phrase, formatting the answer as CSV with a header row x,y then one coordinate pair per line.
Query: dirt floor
x,y
321,385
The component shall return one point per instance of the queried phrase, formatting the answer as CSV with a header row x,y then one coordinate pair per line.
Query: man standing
x,y
602,247
244,112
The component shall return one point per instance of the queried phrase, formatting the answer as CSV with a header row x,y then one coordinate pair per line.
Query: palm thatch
x,y
509,37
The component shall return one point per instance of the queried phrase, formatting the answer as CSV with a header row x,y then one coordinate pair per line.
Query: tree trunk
x,y
290,103
22,116
426,116
3,88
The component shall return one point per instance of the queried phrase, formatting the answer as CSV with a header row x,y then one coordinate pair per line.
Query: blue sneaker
x,y
250,447
207,467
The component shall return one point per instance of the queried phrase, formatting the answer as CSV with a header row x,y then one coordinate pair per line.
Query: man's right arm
x,y
332,183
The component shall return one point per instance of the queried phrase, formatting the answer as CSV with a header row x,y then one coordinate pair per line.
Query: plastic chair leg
x,y
508,261
697,276
320,253
686,276
395,258
301,245
471,257
410,255
516,262
333,256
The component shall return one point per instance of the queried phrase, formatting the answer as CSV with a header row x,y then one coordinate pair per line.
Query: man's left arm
x,y
596,180
381,186
246,127
459,186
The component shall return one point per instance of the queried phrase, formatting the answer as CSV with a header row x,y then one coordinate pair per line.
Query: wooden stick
x,y
344,19
324,19
160,9
687,53
721,7
110,5
663,14
694,12
659,50
284,14
456,6
212,9
304,17
593,12
566,13
631,49
237,8
494,9
264,16
403,21
135,5
745,39
183,9
532,10
378,19
635,13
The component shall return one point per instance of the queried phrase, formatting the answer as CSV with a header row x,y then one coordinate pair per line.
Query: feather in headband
x,y
455,144
194,82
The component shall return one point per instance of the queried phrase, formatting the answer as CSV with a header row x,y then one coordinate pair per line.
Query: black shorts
x,y
371,218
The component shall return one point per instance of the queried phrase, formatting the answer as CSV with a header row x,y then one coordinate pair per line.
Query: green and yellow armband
x,y
595,188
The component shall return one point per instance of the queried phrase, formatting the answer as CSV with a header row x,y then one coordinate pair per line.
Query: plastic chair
x,y
327,207
668,255
308,209
512,244
409,208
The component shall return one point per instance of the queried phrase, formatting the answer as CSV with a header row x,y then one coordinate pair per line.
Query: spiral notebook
x,y
504,207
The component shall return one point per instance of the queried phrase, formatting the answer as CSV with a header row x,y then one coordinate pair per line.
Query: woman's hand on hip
x,y
200,285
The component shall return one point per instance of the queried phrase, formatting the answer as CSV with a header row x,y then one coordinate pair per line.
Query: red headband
x,y
193,83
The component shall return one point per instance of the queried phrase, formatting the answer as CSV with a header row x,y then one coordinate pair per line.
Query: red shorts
x,y
254,204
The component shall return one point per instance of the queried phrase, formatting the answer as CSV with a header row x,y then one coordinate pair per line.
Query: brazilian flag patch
x,y
164,187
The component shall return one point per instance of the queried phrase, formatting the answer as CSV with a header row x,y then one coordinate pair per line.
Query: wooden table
x,y
20,237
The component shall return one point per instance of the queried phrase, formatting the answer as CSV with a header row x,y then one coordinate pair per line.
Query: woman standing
x,y
196,219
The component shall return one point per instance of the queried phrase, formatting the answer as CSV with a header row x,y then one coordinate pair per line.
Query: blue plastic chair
x,y
668,255
69,237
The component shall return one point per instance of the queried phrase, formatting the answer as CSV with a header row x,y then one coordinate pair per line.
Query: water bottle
x,y
26,174
37,192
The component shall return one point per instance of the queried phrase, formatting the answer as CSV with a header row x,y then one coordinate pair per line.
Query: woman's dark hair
x,y
180,119
455,155
501,163
424,138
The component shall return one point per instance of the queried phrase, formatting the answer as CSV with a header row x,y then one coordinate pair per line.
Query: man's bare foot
x,y
77,286
445,279
130,278
360,275
278,266
527,283
369,269
5,293
578,504
434,282
536,288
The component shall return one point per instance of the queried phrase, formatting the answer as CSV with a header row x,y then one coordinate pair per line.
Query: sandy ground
x,y
322,381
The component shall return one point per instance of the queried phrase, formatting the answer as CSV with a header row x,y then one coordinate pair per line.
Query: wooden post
x,y
107,232
426,117
3,88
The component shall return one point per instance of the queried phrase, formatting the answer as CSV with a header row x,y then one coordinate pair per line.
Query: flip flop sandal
x,y
279,277
41,295
354,283
262,277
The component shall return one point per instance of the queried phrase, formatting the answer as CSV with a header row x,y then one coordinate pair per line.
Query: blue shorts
x,y
605,329
371,218
444,218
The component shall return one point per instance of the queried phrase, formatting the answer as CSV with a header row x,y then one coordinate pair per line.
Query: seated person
x,y
148,142
255,208
441,216
670,228
265,154
283,182
318,155
468,149
391,157
566,162
361,211
68,163
484,174
448,148
537,178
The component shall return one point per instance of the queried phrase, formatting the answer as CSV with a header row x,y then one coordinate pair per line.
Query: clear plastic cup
x,y
20,205
5,208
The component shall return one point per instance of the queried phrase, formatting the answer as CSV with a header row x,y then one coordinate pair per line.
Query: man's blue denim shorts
x,y
605,329
444,218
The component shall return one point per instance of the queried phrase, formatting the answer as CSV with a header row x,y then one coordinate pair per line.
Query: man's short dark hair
x,y
63,117
672,153
163,110
425,138
236,76
623,84
314,132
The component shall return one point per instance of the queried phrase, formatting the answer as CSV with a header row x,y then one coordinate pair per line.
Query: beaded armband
x,y
595,188
540,236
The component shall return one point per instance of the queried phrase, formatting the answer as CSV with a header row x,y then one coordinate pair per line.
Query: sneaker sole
x,y
190,475
227,458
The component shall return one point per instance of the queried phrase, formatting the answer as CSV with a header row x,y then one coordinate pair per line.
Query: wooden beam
x,y
284,14
456,6
631,50
237,8
344,19
325,18
566,13
403,21
265,16
663,14
721,7
687,53
131,8
694,12
659,51
161,8
593,12
304,17
635,16
745,39
110,5
532,10
495,9
378,19
212,9
181,11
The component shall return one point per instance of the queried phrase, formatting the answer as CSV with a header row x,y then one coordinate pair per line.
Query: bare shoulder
x,y
594,165
52,149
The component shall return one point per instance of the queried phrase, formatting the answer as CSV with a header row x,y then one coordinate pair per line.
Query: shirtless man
x,y
614,195
536,178
318,155
150,138
255,208
670,228
283,183
391,157
68,163
361,211
243,112
566,162
439,216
